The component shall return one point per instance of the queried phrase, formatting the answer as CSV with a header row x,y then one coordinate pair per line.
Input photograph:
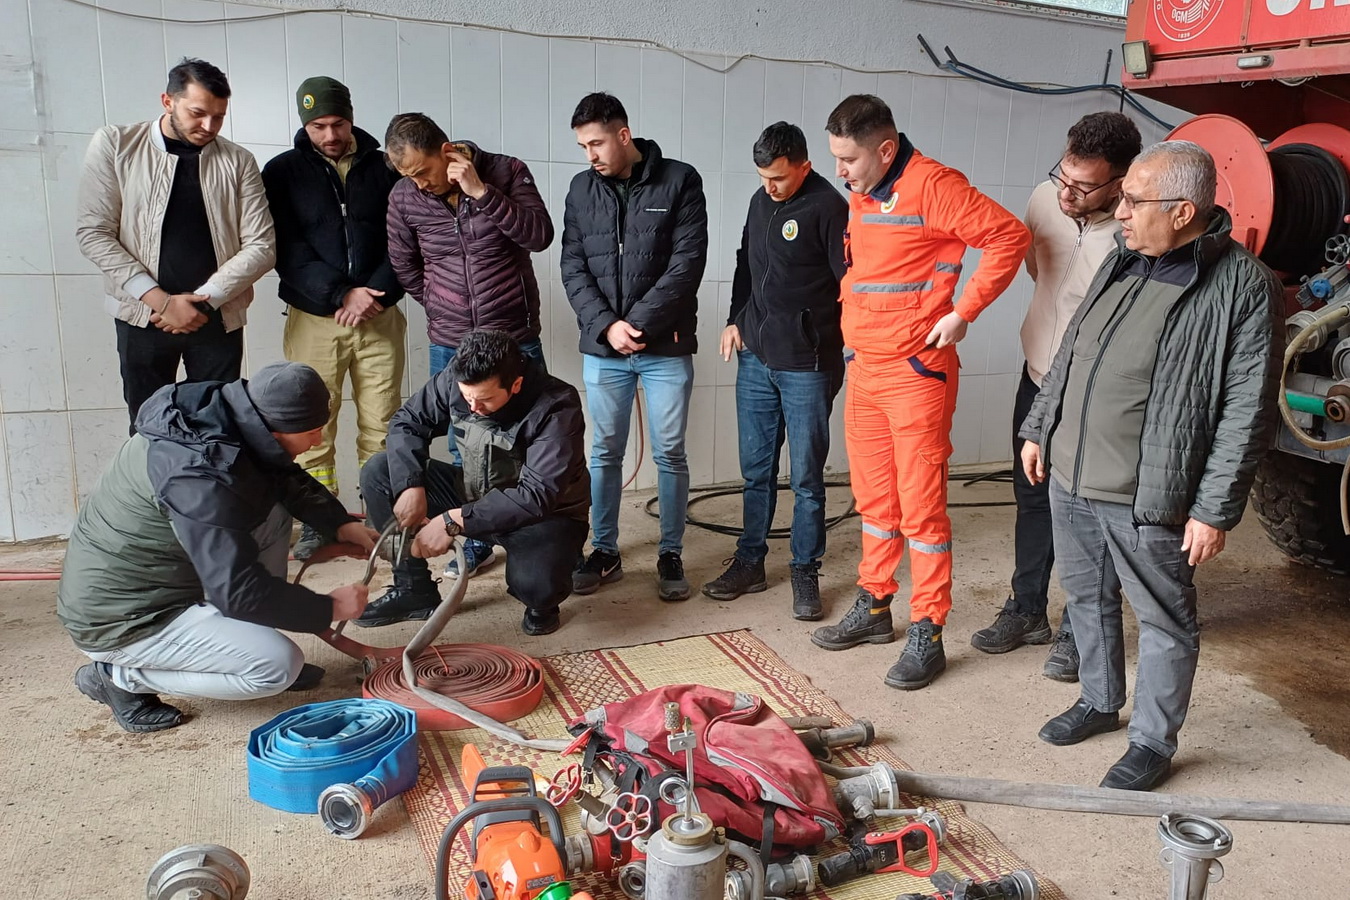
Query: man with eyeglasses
x,y
1073,229
1151,420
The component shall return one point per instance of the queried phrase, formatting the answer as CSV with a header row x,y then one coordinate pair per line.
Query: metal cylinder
x,y
685,861
1340,360
1192,846
673,718
1301,320
198,872
345,810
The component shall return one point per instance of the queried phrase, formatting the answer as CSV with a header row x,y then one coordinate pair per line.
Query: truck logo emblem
x,y
1185,20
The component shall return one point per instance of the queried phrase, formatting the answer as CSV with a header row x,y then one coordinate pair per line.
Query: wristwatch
x,y
451,526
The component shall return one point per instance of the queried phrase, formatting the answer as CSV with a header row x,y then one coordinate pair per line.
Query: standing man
x,y
523,483
176,219
330,198
174,581
910,222
784,329
1150,464
462,225
1073,229
635,243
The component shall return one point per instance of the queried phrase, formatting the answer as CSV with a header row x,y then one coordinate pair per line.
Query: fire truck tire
x,y
1296,500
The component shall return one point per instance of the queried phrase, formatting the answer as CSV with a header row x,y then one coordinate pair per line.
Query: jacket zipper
x,y
764,281
1059,291
464,249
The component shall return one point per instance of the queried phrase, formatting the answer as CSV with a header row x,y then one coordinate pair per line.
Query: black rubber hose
x,y
1312,197
778,534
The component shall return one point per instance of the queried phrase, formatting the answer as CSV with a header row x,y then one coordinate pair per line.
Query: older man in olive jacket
x,y
1151,421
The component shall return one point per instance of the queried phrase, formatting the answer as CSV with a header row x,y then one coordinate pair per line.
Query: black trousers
x,y
150,358
540,557
1034,536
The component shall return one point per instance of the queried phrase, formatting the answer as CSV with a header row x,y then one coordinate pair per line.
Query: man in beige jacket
x,y
177,220
1071,217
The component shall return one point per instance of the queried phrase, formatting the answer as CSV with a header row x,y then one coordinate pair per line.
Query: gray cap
x,y
290,397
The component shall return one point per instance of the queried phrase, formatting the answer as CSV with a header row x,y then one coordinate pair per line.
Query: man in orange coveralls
x,y
910,221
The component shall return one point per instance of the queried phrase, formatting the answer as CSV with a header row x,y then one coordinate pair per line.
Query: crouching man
x,y
175,575
523,484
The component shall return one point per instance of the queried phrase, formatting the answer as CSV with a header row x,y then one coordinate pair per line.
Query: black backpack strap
x,y
766,841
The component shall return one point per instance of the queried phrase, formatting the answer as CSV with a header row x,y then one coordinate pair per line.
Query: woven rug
x,y
734,661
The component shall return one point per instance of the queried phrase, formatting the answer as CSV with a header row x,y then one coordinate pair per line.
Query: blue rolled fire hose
x,y
341,759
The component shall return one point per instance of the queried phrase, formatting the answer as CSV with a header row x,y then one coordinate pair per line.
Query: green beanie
x,y
323,96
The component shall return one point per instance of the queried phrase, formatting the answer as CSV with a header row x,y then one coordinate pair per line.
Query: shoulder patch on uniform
x,y
890,204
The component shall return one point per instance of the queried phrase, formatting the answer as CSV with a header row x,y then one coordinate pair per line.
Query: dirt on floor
x,y
89,808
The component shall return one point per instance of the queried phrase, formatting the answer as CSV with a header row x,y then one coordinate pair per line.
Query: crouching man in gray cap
x,y
175,576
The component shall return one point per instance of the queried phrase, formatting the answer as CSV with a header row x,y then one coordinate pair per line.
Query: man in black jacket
x,y
329,197
175,576
635,243
1150,463
784,328
523,483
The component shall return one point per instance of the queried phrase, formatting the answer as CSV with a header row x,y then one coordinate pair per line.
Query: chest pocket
x,y
492,455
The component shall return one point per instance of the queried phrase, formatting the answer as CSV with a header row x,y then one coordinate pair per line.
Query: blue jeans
x,y
611,383
772,404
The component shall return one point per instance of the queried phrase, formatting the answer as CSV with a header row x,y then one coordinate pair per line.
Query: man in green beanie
x,y
329,196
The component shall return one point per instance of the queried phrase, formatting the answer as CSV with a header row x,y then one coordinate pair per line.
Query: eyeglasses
x,y
1129,202
1077,192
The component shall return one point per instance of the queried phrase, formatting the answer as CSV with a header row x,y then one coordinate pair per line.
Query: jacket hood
x,y
213,419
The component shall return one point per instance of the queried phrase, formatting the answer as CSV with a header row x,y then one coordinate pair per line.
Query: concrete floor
x,y
88,808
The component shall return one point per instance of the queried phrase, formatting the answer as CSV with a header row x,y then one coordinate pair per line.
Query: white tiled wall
x,y
70,68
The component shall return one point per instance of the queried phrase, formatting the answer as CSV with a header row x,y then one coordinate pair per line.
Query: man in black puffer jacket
x,y
1151,420
635,243
329,197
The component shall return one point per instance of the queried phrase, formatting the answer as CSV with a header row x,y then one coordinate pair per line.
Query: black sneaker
x,y
540,622
806,593
138,713
310,540
1062,663
602,567
741,577
922,660
308,679
670,580
1011,629
414,596
868,621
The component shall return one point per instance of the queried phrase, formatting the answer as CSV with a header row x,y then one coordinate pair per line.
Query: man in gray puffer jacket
x,y
1151,421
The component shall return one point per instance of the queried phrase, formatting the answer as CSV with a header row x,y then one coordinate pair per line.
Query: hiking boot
x,y
1140,769
308,679
1062,663
670,580
602,567
922,660
413,596
1011,629
478,555
806,593
138,713
310,540
1078,723
538,622
741,577
868,621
